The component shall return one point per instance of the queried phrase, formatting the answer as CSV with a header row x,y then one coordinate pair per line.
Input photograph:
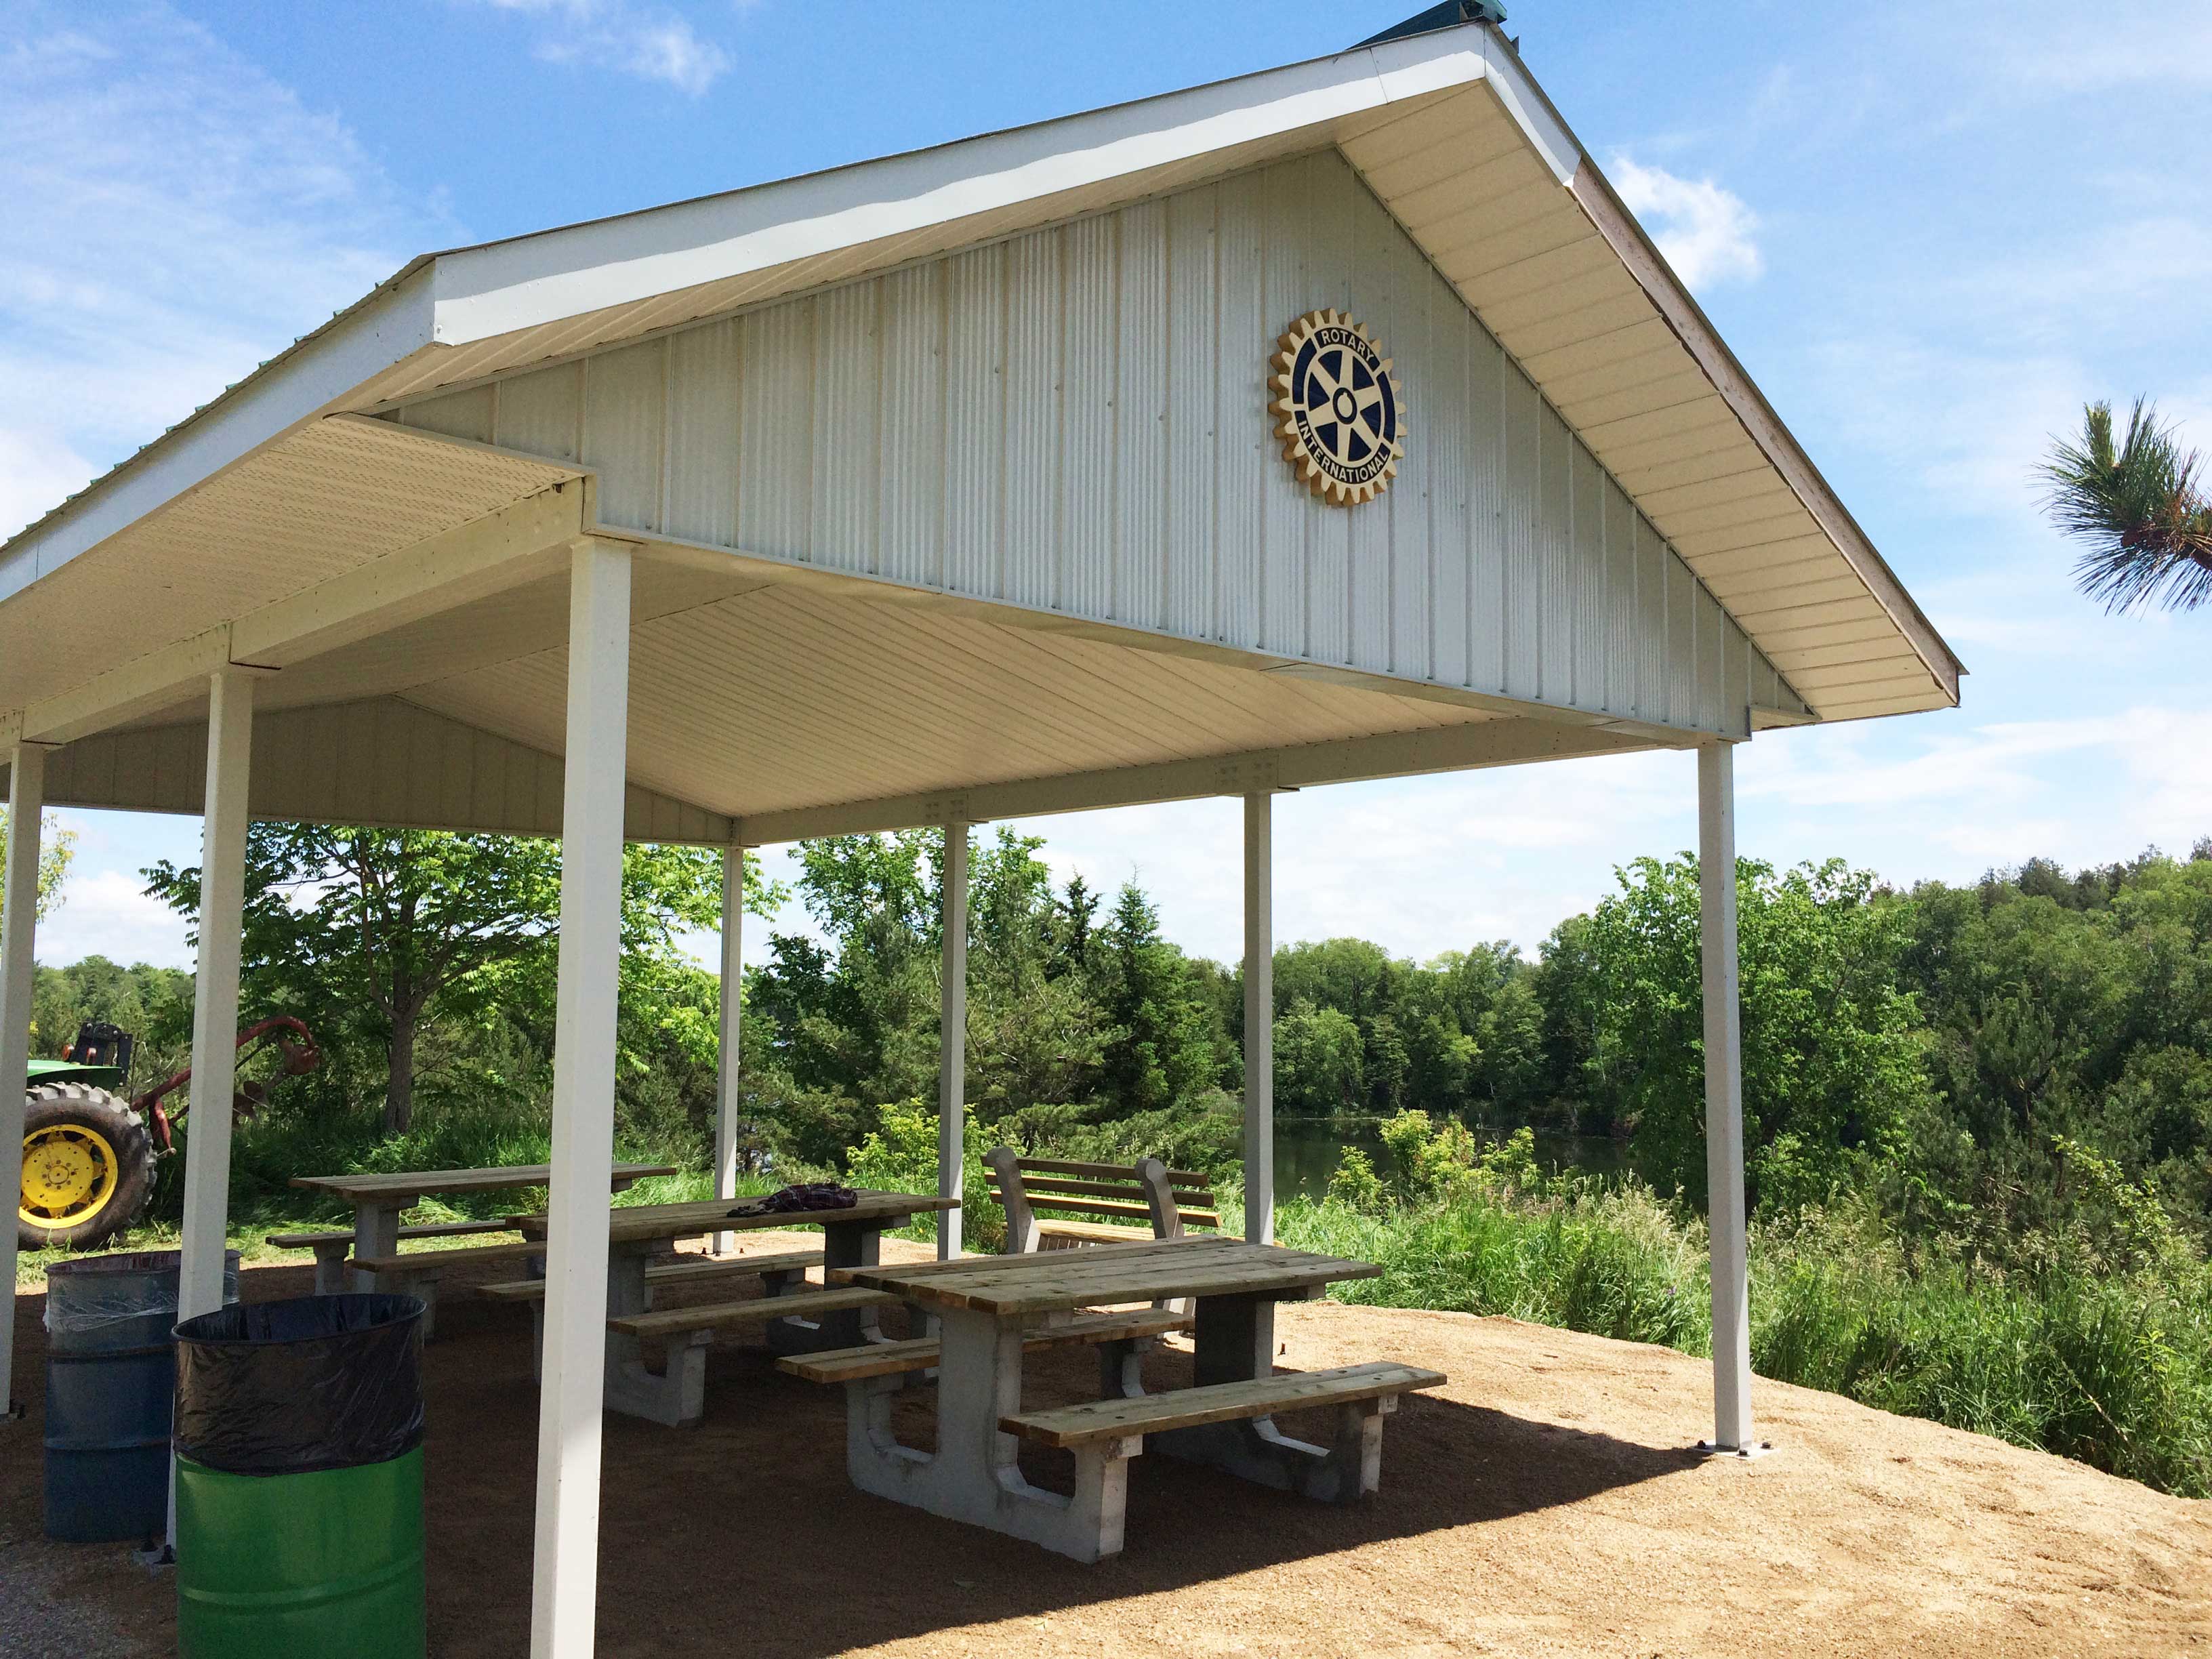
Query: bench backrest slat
x,y
1145,1191
1063,1166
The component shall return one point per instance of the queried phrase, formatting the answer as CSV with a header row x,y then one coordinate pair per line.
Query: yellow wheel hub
x,y
68,1173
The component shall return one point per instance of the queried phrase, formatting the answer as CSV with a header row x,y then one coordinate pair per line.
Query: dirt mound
x,y
1546,1503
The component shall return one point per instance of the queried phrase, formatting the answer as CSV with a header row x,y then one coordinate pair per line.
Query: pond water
x,y
1307,1150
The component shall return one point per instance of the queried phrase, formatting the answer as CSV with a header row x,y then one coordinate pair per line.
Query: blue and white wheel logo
x,y
1341,420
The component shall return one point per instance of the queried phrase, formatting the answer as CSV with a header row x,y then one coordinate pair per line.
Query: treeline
x,y
1982,1061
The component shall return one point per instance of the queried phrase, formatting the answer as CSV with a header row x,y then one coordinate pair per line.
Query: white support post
x,y
1259,1018
1716,929
952,1040
19,917
565,1566
727,1053
214,991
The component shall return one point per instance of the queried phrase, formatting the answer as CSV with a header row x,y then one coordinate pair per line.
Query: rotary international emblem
x,y
1342,424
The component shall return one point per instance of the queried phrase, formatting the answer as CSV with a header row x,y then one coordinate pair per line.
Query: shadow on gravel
x,y
745,1536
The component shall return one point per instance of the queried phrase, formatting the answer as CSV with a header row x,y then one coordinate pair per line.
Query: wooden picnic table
x,y
850,1238
984,1304
379,1201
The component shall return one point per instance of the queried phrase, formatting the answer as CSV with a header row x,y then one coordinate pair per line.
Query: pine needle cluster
x,y
2138,506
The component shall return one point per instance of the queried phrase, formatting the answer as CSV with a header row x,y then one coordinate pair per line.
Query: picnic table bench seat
x,y
342,1241
778,1274
670,1345
696,1270
418,1272
875,1359
1105,1433
698,1324
332,1247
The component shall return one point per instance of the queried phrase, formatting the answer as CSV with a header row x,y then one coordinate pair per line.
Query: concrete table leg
x,y
330,1269
375,1233
1235,1342
676,1394
974,1475
844,1244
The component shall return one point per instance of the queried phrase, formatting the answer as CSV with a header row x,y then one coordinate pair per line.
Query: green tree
x,y
2136,506
371,934
56,848
1832,1071
1162,1050
1320,1062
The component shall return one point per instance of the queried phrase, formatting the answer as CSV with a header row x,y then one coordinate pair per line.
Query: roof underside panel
x,y
1527,257
335,496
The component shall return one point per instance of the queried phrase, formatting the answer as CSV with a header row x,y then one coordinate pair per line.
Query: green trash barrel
x,y
299,1438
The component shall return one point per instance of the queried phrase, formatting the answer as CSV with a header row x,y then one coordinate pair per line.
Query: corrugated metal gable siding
x,y
1089,387
380,761
910,521
704,375
1076,419
625,426
847,464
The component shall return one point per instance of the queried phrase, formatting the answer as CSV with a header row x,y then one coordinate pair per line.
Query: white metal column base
x,y
973,1476
1737,1454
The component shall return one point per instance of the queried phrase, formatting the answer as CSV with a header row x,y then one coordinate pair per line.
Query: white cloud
x,y
2089,788
1704,231
175,217
105,913
2056,45
649,41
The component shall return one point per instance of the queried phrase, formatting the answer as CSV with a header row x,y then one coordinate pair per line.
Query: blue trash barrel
x,y
111,1388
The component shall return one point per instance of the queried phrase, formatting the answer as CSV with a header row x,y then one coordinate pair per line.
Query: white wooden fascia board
x,y
505,287
1384,754
1531,111
319,372
142,686
486,556
499,551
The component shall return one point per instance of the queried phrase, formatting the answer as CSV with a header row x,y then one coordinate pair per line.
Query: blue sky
x,y
1930,231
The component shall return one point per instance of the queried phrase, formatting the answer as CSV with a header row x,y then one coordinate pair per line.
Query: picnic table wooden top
x,y
1056,1281
405,1183
640,1224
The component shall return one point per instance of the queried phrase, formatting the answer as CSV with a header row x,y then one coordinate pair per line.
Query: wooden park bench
x,y
1147,1192
779,1274
331,1248
1103,1434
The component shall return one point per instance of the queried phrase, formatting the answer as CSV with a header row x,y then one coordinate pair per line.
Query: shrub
x,y
900,1155
1354,1184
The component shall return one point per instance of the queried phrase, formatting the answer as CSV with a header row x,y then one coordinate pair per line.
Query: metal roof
x,y
278,484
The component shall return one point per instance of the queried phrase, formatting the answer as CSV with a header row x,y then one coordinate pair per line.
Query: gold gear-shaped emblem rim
x,y
1323,477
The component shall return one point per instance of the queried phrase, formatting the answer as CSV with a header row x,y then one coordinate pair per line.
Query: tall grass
x,y
2113,1367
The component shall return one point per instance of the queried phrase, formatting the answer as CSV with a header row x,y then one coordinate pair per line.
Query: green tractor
x,y
88,1153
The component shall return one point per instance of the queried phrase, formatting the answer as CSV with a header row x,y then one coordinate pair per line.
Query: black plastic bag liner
x,y
288,1388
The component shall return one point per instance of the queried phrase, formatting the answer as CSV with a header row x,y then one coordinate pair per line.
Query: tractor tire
x,y
88,1167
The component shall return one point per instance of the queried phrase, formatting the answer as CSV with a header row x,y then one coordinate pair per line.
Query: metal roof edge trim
x,y
311,377
1633,245
502,288
406,314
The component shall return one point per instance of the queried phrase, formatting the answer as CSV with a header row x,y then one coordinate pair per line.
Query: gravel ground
x,y
1546,1503
47,1610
